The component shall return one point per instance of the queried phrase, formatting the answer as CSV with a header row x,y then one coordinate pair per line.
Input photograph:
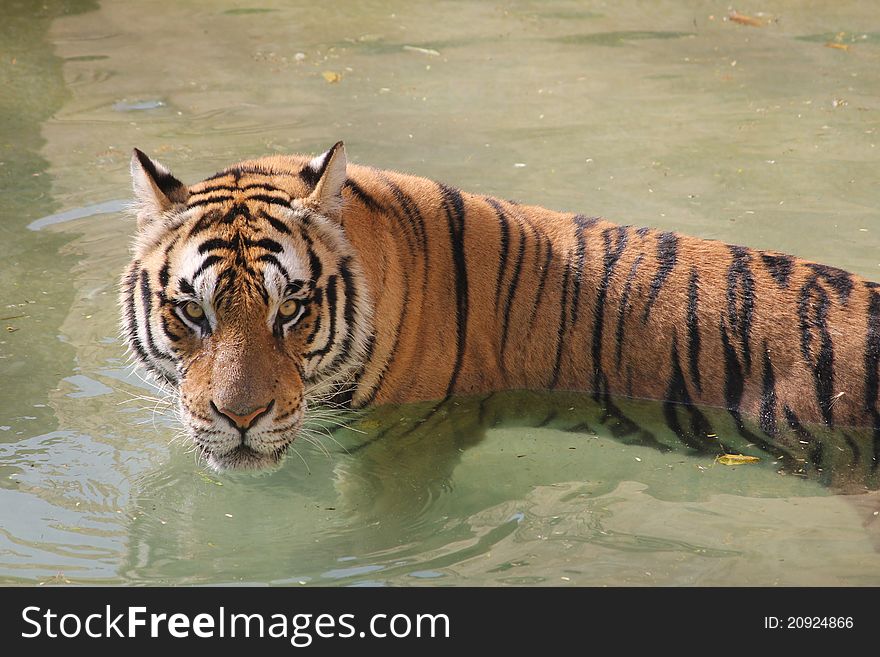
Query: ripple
x,y
138,105
105,207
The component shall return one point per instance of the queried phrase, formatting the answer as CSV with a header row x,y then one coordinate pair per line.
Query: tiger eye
x,y
288,308
193,310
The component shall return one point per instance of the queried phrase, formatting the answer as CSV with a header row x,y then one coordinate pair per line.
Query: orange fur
x,y
459,293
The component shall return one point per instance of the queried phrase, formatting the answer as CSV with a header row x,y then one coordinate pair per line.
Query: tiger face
x,y
243,295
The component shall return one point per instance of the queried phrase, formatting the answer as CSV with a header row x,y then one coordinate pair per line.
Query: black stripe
x,y
539,293
185,286
581,223
217,243
416,244
560,334
265,186
741,301
693,329
237,171
813,308
204,222
207,189
872,381
268,257
317,304
171,335
780,267
511,290
309,176
315,267
621,427
839,280
413,214
264,243
226,280
165,271
610,258
130,318
624,308
238,210
261,290
348,308
276,223
768,396
331,329
817,449
222,174
697,435
414,220
312,176
734,385
208,262
667,256
453,204
374,389
362,196
504,246
167,184
147,306
209,200
272,200
733,375
268,186
362,370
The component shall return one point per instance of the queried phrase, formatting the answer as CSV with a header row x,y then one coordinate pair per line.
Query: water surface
x,y
661,114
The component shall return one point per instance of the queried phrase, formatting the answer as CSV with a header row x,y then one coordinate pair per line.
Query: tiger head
x,y
244,295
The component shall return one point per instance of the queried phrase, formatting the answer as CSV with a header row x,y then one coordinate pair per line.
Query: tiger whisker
x,y
296,451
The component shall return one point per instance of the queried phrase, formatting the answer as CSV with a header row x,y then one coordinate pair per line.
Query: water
x,y
660,114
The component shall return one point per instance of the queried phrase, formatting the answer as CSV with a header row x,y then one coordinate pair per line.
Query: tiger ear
x,y
329,169
155,189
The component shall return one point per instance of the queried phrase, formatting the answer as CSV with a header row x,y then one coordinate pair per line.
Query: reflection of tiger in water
x,y
251,288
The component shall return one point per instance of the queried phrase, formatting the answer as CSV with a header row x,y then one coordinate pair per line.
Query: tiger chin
x,y
283,279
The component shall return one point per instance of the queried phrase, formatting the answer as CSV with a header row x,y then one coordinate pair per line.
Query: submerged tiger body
x,y
283,275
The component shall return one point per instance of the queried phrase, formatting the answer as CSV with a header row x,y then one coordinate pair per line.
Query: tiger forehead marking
x,y
277,279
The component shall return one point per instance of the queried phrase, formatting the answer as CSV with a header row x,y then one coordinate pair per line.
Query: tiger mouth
x,y
222,450
262,451
244,457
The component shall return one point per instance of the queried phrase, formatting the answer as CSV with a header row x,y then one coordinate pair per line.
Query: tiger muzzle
x,y
245,419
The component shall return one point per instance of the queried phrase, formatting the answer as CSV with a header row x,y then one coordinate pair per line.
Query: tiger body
x,y
407,290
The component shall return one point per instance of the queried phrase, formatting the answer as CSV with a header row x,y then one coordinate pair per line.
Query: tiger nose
x,y
246,419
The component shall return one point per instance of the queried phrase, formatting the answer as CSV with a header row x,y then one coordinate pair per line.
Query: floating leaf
x,y
742,19
736,459
837,46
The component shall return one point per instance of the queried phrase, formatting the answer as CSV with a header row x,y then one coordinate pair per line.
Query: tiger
x,y
289,274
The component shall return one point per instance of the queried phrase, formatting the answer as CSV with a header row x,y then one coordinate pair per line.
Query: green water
x,y
659,113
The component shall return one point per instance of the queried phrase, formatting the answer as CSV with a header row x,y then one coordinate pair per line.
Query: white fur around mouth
x,y
244,458
258,452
